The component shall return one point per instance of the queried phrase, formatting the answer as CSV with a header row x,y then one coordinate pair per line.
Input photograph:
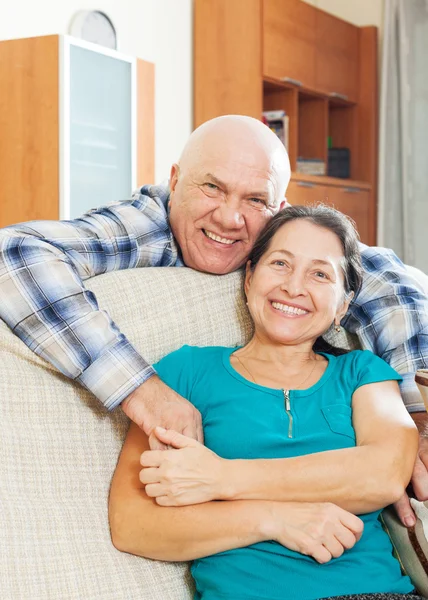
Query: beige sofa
x,y
58,447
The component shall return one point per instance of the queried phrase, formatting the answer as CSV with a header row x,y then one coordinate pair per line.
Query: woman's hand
x,y
189,473
321,530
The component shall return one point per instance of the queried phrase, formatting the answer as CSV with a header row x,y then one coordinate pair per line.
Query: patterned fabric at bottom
x,y
413,595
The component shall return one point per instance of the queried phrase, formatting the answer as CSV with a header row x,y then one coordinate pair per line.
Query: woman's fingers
x,y
149,475
346,538
154,490
152,458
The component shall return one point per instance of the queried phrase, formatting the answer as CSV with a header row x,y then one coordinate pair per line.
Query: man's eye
x,y
212,186
257,201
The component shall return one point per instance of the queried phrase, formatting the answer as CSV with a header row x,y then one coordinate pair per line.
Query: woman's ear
x,y
248,277
343,309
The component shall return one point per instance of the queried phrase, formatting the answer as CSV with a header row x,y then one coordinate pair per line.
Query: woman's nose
x,y
294,284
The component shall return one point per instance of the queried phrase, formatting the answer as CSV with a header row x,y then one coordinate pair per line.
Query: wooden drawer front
x,y
336,63
289,40
353,202
302,192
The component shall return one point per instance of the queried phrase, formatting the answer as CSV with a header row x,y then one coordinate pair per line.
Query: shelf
x,y
271,85
332,181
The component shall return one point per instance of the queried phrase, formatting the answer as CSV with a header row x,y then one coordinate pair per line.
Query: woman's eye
x,y
321,275
279,263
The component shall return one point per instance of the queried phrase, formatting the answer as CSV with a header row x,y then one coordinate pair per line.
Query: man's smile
x,y
217,238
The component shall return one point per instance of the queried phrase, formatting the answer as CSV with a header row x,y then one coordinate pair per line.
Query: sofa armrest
x,y
411,544
421,379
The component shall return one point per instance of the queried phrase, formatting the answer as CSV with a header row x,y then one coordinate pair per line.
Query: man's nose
x,y
229,215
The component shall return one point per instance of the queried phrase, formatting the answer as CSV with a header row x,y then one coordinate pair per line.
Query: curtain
x,y
403,165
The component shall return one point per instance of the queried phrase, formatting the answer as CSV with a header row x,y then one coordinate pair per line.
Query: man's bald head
x,y
230,180
239,135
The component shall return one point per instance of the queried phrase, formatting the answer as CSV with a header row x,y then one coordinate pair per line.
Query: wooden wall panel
x,y
227,59
145,122
29,122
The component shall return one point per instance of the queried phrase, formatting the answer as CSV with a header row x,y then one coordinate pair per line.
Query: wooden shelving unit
x,y
255,55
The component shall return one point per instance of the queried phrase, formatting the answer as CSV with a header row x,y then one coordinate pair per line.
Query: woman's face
x,y
296,290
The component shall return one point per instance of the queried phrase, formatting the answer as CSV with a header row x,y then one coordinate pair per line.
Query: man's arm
x,y
43,266
390,317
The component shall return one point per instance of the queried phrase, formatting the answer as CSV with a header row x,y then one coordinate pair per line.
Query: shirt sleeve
x,y
390,318
43,299
369,368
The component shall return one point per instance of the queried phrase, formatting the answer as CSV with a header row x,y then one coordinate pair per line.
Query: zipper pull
x,y
288,411
287,399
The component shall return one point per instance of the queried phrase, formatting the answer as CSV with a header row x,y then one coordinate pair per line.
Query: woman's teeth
x,y
292,310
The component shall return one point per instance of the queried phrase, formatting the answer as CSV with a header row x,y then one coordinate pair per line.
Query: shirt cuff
x,y
411,395
116,373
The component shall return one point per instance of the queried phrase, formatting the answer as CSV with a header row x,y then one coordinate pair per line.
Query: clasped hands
x,y
189,473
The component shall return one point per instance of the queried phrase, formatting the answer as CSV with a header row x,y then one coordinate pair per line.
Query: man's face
x,y
218,206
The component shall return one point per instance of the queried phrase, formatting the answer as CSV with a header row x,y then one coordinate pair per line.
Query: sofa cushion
x,y
59,447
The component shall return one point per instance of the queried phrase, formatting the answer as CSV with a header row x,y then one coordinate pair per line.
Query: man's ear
x,y
248,277
284,204
173,179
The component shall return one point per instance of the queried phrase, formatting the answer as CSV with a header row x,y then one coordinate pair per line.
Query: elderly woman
x,y
300,439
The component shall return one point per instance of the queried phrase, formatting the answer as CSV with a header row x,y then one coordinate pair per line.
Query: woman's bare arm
x,y
361,479
139,526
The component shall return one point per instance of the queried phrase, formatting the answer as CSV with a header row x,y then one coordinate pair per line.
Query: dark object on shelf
x,y
339,163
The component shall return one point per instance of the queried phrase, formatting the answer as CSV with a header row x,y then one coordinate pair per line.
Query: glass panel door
x,y
100,130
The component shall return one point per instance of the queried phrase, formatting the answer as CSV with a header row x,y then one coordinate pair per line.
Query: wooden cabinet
x,y
306,192
353,201
77,127
289,41
336,64
227,63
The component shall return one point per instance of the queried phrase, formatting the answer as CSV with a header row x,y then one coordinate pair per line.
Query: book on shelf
x,y
278,122
310,166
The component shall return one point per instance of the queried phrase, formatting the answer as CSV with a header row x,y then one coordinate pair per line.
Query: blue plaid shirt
x,y
43,266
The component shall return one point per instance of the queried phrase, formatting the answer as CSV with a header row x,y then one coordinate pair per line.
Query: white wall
x,y
358,12
156,30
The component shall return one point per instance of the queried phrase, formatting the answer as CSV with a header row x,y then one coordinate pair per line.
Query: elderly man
x,y
231,178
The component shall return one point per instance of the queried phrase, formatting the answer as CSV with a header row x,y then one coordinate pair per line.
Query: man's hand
x,y
188,474
420,473
155,404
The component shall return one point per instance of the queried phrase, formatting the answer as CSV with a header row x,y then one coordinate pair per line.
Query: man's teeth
x,y
292,310
217,238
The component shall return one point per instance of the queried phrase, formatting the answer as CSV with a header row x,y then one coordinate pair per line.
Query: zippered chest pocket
x,y
339,419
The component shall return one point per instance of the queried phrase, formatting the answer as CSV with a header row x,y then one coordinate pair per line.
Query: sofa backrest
x,y
59,447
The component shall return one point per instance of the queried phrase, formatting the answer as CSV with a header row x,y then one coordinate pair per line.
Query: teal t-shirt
x,y
244,420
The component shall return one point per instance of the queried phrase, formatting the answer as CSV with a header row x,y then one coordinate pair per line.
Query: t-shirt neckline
x,y
275,391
